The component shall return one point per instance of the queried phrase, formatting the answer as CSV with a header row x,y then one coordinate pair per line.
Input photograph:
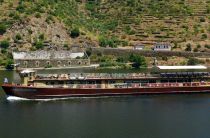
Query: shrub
x,y
207,46
37,15
204,36
9,65
121,59
49,18
111,42
198,46
48,66
202,19
39,45
188,48
88,52
195,50
3,51
41,37
3,29
138,61
20,8
75,33
65,46
18,37
4,44
193,61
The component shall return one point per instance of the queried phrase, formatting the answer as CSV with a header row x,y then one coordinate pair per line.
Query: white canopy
x,y
27,71
182,67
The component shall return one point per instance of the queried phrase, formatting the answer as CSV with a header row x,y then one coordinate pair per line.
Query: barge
x,y
42,86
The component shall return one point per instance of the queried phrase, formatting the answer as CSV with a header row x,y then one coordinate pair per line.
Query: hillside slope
x,y
37,24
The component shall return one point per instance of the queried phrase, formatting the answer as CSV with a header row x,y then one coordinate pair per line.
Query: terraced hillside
x,y
38,24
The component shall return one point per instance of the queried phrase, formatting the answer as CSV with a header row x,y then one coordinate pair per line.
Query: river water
x,y
154,116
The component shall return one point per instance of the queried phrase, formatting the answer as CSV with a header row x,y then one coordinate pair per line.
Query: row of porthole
x,y
48,63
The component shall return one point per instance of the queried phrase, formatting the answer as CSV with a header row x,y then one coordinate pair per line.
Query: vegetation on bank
x,y
109,23
115,23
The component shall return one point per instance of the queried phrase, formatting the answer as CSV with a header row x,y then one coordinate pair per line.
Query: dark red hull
x,y
46,93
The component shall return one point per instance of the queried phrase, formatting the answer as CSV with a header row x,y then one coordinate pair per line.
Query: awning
x,y
181,67
27,71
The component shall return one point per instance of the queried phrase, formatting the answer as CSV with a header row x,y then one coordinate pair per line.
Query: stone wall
x,y
29,63
147,53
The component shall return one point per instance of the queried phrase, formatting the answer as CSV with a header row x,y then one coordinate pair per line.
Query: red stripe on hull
x,y
45,93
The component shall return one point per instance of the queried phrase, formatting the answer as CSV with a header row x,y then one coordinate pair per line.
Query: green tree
x,y
75,33
8,64
4,44
138,61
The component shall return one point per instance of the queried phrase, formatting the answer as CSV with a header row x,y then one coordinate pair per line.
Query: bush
x,y
193,61
75,33
39,45
188,48
37,15
121,59
195,50
202,19
49,18
9,65
18,37
88,52
41,37
207,46
204,36
103,42
4,44
198,46
48,66
3,29
138,61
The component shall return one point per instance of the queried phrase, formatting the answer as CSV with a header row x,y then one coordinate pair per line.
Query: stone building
x,y
52,58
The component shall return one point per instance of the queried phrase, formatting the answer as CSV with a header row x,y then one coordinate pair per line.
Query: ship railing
x,y
88,86
92,76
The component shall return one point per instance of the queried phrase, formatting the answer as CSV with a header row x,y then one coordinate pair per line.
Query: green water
x,y
157,116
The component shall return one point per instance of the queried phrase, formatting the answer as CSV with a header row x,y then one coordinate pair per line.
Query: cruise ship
x,y
170,80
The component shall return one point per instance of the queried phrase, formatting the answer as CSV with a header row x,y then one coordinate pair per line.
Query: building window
x,y
25,64
59,63
48,62
37,63
69,62
79,62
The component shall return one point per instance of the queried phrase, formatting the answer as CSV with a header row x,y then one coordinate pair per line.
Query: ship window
x,y
61,82
111,82
69,82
